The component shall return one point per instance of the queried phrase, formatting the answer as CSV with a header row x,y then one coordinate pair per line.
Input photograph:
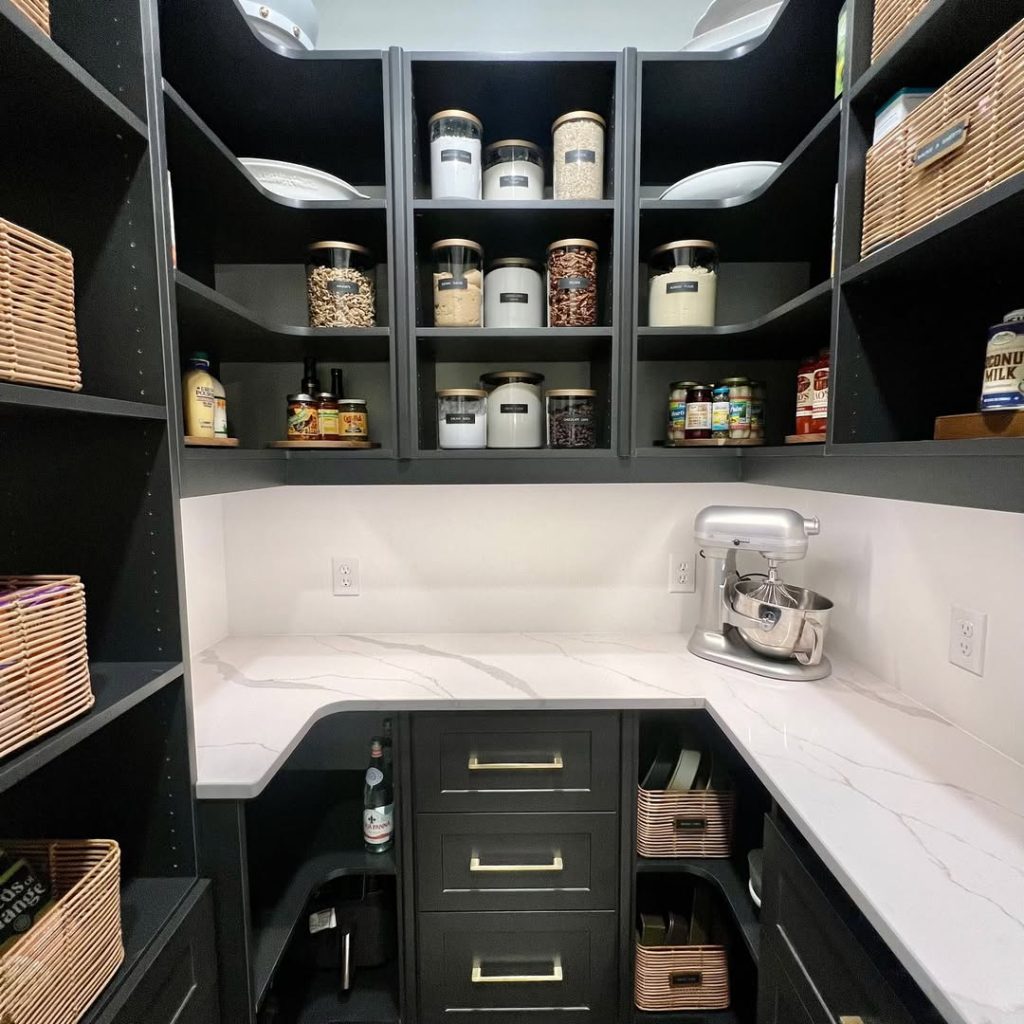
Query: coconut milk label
x,y
1003,386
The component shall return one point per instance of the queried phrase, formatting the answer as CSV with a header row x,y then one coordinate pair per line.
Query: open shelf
x,y
23,399
314,998
118,687
514,345
686,1017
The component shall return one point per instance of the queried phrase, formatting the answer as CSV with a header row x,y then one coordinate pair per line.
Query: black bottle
x,y
310,378
337,386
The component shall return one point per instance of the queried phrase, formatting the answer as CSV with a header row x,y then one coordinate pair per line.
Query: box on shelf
x,y
44,664
37,11
897,110
891,18
53,973
38,341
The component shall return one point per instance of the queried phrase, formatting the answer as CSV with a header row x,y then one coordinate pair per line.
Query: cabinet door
x,y
787,996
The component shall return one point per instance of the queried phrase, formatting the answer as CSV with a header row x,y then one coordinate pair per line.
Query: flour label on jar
x,y
513,297
462,156
580,156
343,287
682,286
453,284
453,418
514,408
573,284
513,181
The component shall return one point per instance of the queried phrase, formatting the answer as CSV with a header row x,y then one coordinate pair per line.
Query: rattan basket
x,y
681,978
38,341
52,974
37,11
44,664
891,18
690,824
962,141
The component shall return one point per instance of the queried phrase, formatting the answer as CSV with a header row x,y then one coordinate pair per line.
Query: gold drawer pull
x,y
476,765
513,869
478,977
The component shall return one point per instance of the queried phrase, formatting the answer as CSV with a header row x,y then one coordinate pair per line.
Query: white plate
x,y
295,28
733,33
294,181
722,12
727,181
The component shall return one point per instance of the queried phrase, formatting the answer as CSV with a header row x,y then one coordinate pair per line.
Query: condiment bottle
x,y
698,413
819,412
337,385
805,396
720,411
310,378
198,393
303,418
327,416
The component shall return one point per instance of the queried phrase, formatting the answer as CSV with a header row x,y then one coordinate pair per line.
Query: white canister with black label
x,y
455,155
1003,384
514,294
515,412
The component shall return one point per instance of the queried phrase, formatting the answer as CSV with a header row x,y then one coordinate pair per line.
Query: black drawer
x,y
180,981
506,968
519,761
517,861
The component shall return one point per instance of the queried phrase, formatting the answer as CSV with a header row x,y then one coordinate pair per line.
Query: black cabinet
x,y
787,996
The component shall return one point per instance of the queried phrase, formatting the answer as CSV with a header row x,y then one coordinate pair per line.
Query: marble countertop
x,y
922,823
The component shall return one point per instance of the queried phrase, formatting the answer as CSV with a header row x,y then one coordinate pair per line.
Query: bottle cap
x,y
376,747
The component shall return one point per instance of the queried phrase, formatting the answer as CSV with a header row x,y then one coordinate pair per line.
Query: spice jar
x,y
303,418
578,155
683,284
720,411
339,285
353,423
571,420
462,418
458,283
328,420
698,412
455,155
676,432
572,283
739,407
513,169
757,400
513,294
515,417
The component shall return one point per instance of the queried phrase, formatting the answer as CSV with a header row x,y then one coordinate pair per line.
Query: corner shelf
x,y
26,399
529,344
371,1001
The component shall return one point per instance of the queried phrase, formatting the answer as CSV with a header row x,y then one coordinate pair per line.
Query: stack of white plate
x,y
729,23
291,24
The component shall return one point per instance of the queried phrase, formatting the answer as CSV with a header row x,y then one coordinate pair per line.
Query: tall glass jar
x,y
339,285
458,283
698,412
676,432
514,294
572,283
739,407
513,169
572,420
578,155
455,155
683,284
515,414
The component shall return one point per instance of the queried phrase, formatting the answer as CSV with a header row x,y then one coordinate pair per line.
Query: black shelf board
x,y
528,344
147,908
729,881
788,331
338,454
223,213
519,206
314,999
235,334
799,195
945,37
335,850
1000,447
41,83
24,398
787,451
978,225
117,687
500,454
686,1017
224,470
701,452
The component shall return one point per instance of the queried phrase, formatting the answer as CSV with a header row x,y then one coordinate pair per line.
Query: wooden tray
x,y
718,442
807,438
325,444
1008,423
211,442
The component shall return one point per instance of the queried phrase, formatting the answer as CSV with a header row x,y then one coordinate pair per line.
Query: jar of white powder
x,y
513,169
683,284
462,418
514,294
455,155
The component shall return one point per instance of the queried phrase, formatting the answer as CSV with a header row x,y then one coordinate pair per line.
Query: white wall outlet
x,y
967,639
682,574
345,576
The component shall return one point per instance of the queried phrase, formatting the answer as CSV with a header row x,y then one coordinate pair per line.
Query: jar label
x,y
330,422
573,284
513,181
720,417
303,422
452,284
461,156
452,418
576,419
378,824
698,416
514,408
513,297
739,412
580,156
353,424
677,411
1003,384
681,286
342,287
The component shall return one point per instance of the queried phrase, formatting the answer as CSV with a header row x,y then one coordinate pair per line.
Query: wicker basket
x,y
691,824
681,978
44,665
52,974
891,18
962,141
37,11
38,342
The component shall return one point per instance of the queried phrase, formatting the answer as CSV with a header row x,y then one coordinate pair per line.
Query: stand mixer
x,y
761,624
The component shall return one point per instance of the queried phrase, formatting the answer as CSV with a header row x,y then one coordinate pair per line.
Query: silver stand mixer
x,y
758,623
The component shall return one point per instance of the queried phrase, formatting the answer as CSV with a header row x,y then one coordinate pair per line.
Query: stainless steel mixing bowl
x,y
778,632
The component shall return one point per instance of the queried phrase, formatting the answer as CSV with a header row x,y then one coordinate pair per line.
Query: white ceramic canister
x,y
515,411
514,294
513,169
683,284
462,418
1003,384
455,155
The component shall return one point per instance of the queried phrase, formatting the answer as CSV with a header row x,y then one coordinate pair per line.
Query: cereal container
x,y
578,155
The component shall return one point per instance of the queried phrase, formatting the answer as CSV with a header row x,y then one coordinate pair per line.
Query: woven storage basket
x,y
976,122
692,824
37,11
891,18
38,342
681,978
44,665
52,974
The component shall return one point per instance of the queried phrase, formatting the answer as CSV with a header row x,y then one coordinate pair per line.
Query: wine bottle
x,y
378,802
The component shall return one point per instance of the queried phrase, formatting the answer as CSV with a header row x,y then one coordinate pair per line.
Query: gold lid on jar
x,y
735,381
351,246
579,115
465,115
568,243
465,243
571,393
462,393
685,384
689,243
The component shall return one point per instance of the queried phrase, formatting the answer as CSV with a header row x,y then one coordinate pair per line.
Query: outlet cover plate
x,y
345,576
682,574
967,629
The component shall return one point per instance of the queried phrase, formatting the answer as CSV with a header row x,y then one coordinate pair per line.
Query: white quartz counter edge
x,y
921,823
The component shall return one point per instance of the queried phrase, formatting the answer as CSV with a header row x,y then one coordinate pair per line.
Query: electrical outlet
x,y
967,639
682,574
345,575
